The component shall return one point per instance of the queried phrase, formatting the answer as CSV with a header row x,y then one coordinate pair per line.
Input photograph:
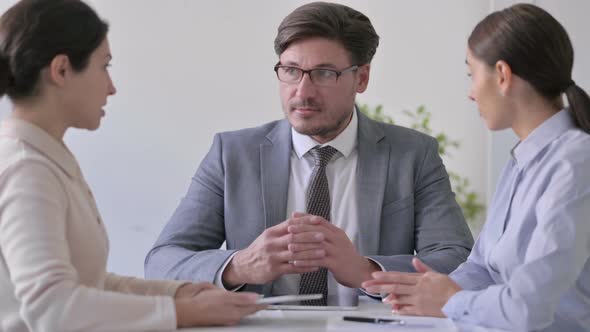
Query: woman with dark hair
x,y
54,58
530,267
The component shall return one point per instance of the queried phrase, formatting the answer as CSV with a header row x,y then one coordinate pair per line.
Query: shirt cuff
x,y
167,307
457,307
219,276
374,295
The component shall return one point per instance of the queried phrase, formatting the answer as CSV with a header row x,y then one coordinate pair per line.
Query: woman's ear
x,y
58,69
504,77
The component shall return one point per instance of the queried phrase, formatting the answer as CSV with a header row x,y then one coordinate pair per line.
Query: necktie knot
x,y
322,155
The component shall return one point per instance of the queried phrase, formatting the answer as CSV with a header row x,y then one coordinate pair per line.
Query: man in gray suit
x,y
318,201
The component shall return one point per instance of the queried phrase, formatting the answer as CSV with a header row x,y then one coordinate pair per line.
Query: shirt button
x,y
98,219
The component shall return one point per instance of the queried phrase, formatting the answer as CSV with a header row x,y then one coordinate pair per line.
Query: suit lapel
x,y
373,161
274,173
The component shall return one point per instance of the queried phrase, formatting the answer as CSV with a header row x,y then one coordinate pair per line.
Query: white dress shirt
x,y
54,248
530,267
340,173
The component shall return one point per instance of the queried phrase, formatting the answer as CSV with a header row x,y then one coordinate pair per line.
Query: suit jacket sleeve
x,y
441,235
188,247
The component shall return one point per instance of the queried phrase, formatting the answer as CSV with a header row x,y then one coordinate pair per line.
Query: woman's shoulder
x,y
18,157
567,163
573,147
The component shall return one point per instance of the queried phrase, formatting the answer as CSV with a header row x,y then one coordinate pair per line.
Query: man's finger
x,y
288,256
306,219
307,237
278,230
296,247
300,228
308,255
296,214
282,243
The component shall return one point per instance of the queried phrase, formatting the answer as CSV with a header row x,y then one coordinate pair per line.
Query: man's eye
x,y
324,74
291,71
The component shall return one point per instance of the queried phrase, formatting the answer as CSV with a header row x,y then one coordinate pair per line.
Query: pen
x,y
374,320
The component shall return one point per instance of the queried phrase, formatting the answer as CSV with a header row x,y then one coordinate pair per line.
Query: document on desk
x,y
411,323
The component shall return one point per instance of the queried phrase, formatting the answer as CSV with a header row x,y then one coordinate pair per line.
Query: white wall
x,y
187,69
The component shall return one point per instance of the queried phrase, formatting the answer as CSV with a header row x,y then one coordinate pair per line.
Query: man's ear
x,y
363,73
59,68
504,76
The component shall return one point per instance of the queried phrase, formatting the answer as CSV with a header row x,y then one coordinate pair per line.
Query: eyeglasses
x,y
319,76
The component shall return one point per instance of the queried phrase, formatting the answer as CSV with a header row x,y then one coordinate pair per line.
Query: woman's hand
x,y
192,289
420,294
213,306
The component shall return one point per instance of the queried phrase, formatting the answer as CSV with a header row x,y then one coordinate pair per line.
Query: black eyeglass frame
x,y
338,73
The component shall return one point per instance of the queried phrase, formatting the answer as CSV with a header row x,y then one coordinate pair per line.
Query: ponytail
x,y
5,76
579,104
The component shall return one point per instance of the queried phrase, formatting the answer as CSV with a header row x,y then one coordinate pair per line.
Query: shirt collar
x,y
41,141
345,142
540,137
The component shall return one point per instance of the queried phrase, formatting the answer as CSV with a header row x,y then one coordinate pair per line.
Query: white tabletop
x,y
299,320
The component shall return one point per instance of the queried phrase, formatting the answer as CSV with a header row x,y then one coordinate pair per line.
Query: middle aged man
x,y
318,201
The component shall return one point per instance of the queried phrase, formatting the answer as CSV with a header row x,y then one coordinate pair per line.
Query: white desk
x,y
295,320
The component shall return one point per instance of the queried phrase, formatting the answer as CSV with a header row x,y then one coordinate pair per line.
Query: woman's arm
x,y
33,228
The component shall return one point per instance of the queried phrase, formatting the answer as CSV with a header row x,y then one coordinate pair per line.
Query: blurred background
x,y
186,69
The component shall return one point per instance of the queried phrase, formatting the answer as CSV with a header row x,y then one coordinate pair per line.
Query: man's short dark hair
x,y
331,21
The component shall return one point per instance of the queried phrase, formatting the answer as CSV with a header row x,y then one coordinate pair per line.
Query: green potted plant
x,y
468,200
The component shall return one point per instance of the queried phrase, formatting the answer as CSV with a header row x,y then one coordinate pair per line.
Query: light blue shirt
x,y
530,267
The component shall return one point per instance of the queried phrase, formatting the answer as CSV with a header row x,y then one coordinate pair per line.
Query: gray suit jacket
x,y
405,202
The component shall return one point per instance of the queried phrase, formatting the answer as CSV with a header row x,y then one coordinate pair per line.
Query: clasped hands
x,y
304,243
300,244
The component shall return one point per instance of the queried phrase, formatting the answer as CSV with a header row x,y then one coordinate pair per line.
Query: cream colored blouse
x,y
54,248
